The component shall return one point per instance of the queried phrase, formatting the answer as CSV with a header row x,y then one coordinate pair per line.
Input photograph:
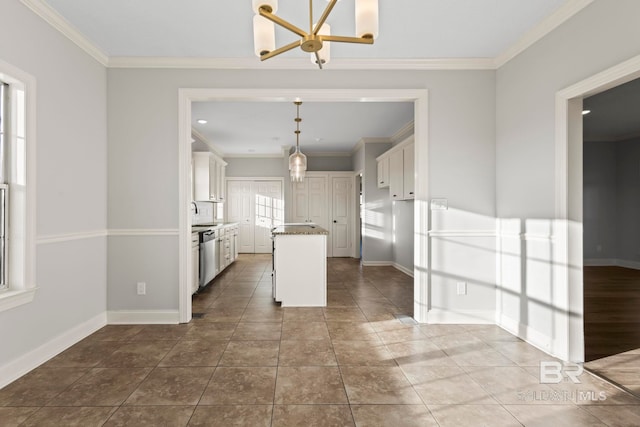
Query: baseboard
x,y
607,262
143,317
34,358
402,268
531,336
377,263
474,317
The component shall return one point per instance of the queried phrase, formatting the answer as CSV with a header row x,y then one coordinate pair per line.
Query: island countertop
x,y
300,229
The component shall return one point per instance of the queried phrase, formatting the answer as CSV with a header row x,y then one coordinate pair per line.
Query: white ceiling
x,y
251,128
486,32
223,28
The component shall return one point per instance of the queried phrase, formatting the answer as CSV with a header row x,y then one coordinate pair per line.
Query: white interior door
x,y
268,207
300,205
341,216
240,209
317,199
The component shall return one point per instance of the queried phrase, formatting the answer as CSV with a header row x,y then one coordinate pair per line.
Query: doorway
x,y
417,96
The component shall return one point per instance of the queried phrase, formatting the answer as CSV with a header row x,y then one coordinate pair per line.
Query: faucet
x,y
195,207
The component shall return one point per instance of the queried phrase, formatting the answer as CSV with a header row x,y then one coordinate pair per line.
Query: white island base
x,y
300,266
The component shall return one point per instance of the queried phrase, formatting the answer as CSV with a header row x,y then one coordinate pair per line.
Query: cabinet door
x,y
409,179
383,173
213,179
220,184
396,175
201,179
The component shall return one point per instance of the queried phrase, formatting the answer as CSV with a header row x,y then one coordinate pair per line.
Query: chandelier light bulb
x,y
269,4
264,35
367,18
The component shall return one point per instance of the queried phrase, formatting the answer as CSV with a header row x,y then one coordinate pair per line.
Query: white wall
x,y
256,167
71,191
143,164
329,163
602,35
402,229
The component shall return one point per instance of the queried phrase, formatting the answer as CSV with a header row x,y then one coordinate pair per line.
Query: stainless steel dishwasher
x,y
209,265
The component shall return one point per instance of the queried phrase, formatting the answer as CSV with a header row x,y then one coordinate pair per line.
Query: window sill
x,y
11,299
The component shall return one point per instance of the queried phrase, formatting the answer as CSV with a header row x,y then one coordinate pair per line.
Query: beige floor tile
x,y
303,314
446,385
344,314
309,385
14,416
473,416
305,331
312,415
553,415
352,331
513,385
240,386
39,386
171,386
393,415
402,334
210,331
483,357
306,353
150,416
616,415
102,387
223,314
69,416
232,415
362,353
250,331
161,332
272,314
250,353
195,353
235,301
419,353
116,332
85,354
378,385
138,354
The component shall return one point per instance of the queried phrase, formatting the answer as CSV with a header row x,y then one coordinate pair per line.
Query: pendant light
x,y
297,160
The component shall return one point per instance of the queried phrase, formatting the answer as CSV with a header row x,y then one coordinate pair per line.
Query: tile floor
x,y
360,361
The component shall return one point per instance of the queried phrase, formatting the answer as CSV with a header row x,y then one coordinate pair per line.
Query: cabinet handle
x,y
411,192
395,195
381,182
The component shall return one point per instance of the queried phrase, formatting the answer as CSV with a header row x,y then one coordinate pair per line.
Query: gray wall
x,y
256,167
377,242
402,212
612,201
71,186
600,200
600,36
329,163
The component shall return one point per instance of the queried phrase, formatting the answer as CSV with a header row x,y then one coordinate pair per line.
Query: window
x,y
17,216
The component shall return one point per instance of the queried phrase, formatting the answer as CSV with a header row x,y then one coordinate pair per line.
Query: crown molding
x,y
557,18
369,140
205,141
302,63
404,132
327,153
53,18
253,156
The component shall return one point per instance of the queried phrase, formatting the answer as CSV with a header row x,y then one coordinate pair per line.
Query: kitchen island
x,y
299,277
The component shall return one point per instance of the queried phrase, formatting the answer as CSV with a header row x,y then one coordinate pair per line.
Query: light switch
x,y
439,204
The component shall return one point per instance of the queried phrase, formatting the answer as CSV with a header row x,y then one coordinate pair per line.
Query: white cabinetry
x,y
399,162
383,172
208,177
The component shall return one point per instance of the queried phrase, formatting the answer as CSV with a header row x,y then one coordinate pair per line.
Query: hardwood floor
x,y
611,311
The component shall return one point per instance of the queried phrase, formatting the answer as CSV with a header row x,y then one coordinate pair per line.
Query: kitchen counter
x,y
204,227
294,229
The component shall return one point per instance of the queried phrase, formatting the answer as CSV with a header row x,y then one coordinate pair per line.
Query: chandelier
x,y
297,160
312,41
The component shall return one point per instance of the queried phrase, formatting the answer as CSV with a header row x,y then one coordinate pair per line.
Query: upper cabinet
x,y
383,172
396,170
208,177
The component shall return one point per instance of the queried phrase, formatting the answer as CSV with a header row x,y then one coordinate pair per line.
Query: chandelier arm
x,y
280,50
271,17
318,60
324,17
342,39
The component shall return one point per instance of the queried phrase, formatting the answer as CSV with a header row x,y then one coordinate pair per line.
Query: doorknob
x,y
335,222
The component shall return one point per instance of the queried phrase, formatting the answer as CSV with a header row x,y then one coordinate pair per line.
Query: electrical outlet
x,y
462,288
142,288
